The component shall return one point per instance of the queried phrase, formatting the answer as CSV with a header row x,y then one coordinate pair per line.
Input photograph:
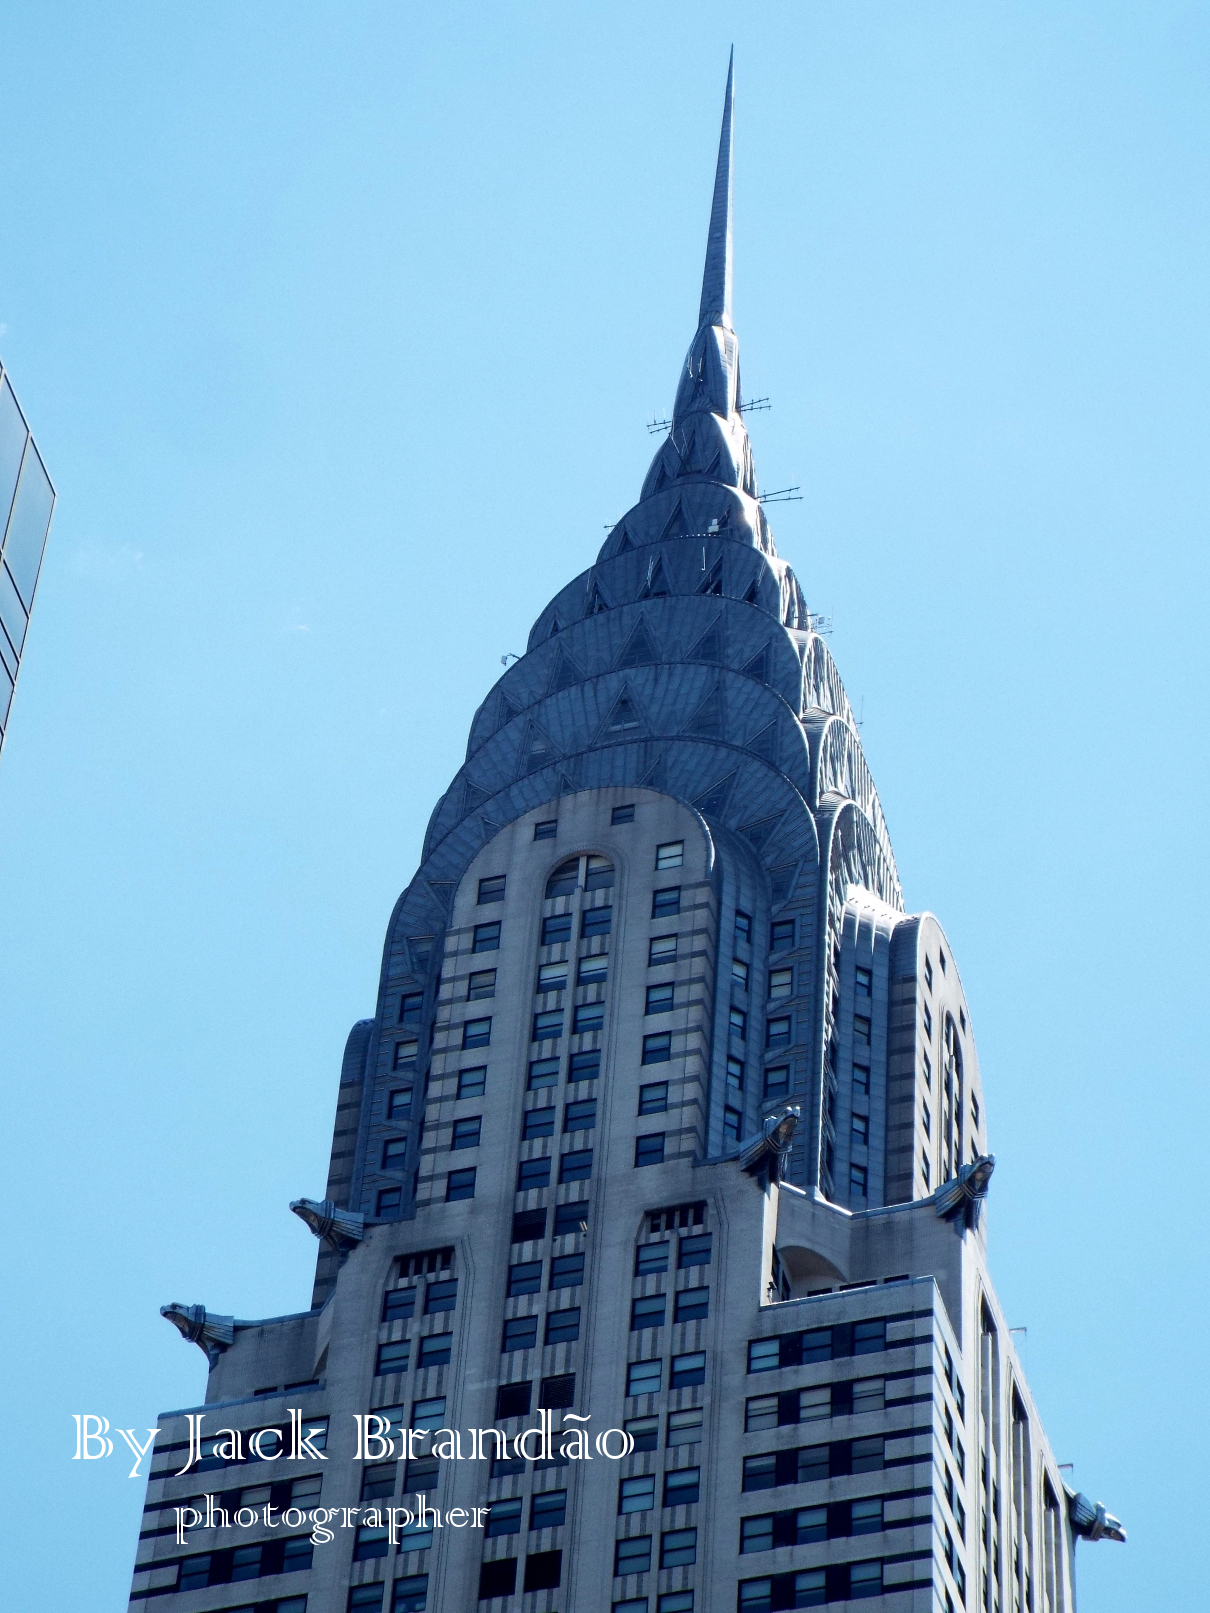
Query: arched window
x,y
564,879
593,872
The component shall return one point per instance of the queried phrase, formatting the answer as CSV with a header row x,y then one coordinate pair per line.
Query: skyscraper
x,y
668,1122
27,502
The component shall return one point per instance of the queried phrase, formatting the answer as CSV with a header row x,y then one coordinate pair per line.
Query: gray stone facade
x,y
668,1121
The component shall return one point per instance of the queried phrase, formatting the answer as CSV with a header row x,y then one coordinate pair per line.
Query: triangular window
x,y
623,542
538,750
596,601
709,647
554,628
707,720
504,714
566,672
750,596
714,800
764,744
624,718
712,468
675,526
758,666
712,583
638,649
656,586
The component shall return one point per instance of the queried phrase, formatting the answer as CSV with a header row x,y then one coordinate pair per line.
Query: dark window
x,y
548,1510
460,1185
869,1337
645,1431
370,1543
588,1017
580,1116
678,1546
558,1392
504,1517
543,1073
739,973
491,890
861,1130
644,1377
410,1005
548,1026
660,998
666,902
584,1066
777,1081
566,1271
556,929
928,1021
441,1296
571,1218
398,1304
623,814
539,1123
399,1104
532,1173
596,921
861,1078
547,830
498,1578
692,1304
476,1033
861,1030
657,1048
928,974
406,1054
687,1370
563,1327
695,1250
576,1166
389,1201
393,1357
525,1278
359,1602
411,1593
472,1082
647,1312
781,935
779,1031
649,1257
732,1124
435,1350
487,937
598,874
681,1486
466,1132
394,1151
653,1098
743,926
865,982
858,1180
564,879
512,1399
649,1150
735,1074
528,1224
521,1333
421,1474
738,1022
481,984
632,1556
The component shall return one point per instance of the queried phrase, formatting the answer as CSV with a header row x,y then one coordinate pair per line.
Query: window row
x,y
678,1548
525,1276
543,1572
693,1249
574,1166
433,1350
554,1393
582,1066
530,1225
804,1526
682,1488
819,1344
521,1332
813,1587
690,1305
410,1596
647,1377
805,1464
848,1399
244,1562
398,1304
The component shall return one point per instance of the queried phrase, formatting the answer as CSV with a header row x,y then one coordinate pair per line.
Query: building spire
x,y
716,281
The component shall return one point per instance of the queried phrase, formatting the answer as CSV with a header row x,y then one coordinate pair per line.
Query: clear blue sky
x,y
339,327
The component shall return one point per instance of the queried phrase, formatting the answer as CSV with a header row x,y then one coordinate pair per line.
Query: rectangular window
x,y
861,1130
566,1271
460,1185
498,1578
596,921
548,1509
406,1054
739,973
480,984
738,1022
521,1333
781,983
410,1005
556,929
670,855
865,982
466,1132
781,935
649,1150
645,1431
684,1427
861,1079
369,1543
524,1278
593,970
563,1327
476,1033
677,1547
398,1304
924,1170
637,1494
588,1018
696,1250
580,1116
732,1124
657,1048
472,1082
650,1257
760,1412
435,1350
440,1296
660,998
399,1104
394,1151
548,1026
664,903
647,1312
777,1081
735,1074
779,1031
528,1225
866,1517
543,1073
504,1517
576,1165
653,1098
623,814
687,1370
743,928
644,1377
486,937
389,1201
927,1066
869,1338
359,1601
928,1022
571,1218
662,949
547,830
861,1030
858,1180
393,1357
491,890
557,1393
513,1399
585,1066
927,1119
532,1173
764,1355
692,1305
681,1486
632,1556
551,977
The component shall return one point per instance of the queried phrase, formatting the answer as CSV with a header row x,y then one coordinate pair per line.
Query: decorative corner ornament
x,y
768,1150
964,1194
209,1332
1090,1521
341,1230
